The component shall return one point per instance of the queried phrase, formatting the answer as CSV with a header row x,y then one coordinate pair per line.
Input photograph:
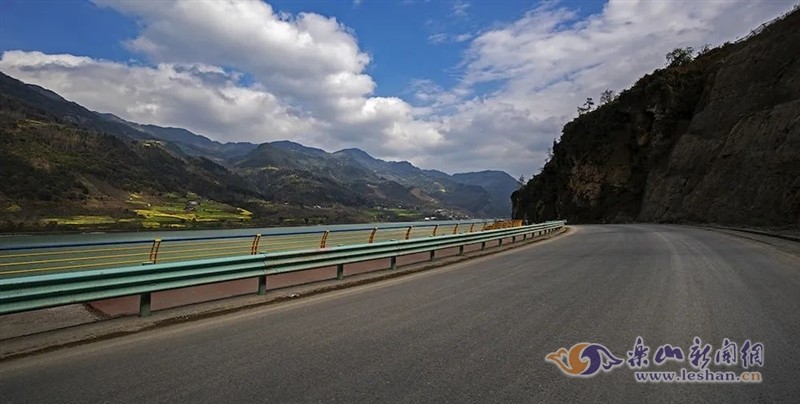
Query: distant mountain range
x,y
60,159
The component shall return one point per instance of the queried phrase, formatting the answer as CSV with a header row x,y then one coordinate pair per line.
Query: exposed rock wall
x,y
716,140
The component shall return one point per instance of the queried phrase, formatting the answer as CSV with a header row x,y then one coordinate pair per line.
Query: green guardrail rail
x,y
27,293
37,259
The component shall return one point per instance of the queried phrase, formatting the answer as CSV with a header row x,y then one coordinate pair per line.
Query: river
x,y
20,240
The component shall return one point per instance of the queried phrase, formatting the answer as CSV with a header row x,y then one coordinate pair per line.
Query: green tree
x,y
586,107
607,96
680,56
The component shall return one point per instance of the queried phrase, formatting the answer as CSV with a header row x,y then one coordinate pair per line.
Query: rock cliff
x,y
713,140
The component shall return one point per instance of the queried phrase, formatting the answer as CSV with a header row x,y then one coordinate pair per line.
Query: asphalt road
x,y
473,332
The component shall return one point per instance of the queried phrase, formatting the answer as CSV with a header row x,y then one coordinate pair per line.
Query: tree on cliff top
x,y
680,56
586,107
607,96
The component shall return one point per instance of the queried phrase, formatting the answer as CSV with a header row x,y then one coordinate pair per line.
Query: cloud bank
x,y
240,71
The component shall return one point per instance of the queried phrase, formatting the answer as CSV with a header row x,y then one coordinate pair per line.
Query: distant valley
x,y
66,167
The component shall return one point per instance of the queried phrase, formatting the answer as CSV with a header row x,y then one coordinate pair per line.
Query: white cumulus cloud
x,y
240,71
540,67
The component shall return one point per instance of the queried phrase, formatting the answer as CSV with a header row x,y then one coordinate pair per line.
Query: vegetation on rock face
x,y
711,138
680,56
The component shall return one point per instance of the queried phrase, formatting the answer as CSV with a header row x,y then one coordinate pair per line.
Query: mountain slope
x,y
53,166
436,184
497,183
290,172
67,165
714,140
198,145
186,142
43,101
429,188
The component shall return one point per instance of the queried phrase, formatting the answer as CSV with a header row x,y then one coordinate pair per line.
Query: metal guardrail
x,y
18,294
35,259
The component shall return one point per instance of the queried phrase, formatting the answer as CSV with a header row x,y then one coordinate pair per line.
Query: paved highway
x,y
473,332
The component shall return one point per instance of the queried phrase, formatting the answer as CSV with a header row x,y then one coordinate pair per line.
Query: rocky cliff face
x,y
715,140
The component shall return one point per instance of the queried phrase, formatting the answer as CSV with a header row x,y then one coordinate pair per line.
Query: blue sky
x,y
401,36
454,85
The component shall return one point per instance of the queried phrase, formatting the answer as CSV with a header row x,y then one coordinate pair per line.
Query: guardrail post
x,y
262,285
372,235
154,250
484,226
254,247
471,227
408,232
324,239
253,267
455,229
434,229
144,304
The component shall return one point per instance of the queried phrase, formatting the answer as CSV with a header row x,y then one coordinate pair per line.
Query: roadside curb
x,y
758,232
104,329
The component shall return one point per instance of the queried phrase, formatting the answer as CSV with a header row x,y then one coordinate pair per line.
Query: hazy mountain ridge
x,y
289,172
449,191
188,142
446,189
497,183
59,158
435,183
53,166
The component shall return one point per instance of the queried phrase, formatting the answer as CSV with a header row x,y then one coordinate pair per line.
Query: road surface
x,y
473,332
